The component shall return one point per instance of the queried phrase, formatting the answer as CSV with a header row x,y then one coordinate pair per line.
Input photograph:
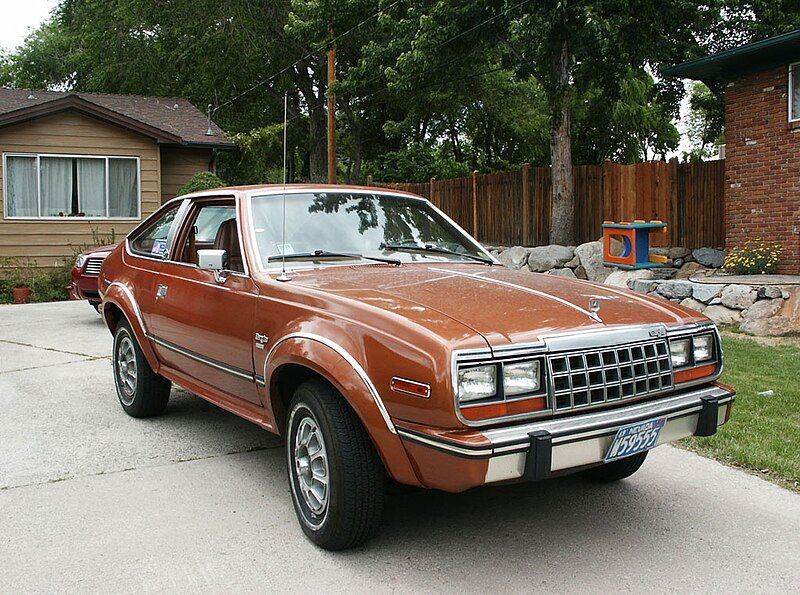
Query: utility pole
x,y
331,116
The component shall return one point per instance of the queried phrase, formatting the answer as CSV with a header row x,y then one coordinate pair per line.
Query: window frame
x,y
38,157
794,69
180,206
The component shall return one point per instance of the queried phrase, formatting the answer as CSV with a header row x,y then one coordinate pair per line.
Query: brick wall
x,y
762,169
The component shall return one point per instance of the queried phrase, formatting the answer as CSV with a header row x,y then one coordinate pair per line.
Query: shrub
x,y
204,180
47,285
754,257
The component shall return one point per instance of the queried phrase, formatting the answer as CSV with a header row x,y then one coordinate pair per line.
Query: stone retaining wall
x,y
755,308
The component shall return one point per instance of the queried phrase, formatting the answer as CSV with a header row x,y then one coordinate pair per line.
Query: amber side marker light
x,y
695,373
492,410
410,387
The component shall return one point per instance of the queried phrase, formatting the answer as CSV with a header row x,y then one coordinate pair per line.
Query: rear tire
x,y
616,470
141,392
337,479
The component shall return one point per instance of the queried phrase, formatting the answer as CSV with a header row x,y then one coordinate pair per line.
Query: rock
x,y
693,304
544,258
770,292
723,315
642,285
775,326
678,262
591,257
689,269
662,252
580,272
715,302
675,289
563,273
740,297
514,258
622,278
705,292
709,257
664,272
763,309
574,263
678,252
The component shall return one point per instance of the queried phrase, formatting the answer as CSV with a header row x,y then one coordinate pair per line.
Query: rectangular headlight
x,y
521,377
680,350
477,383
703,348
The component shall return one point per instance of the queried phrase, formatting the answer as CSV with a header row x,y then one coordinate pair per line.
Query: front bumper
x,y
456,461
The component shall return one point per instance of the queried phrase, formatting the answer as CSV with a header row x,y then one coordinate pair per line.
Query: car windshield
x,y
326,227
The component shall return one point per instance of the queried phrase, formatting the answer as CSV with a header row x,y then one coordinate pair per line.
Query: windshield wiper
x,y
436,250
326,254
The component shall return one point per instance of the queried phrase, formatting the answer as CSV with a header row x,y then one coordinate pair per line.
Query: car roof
x,y
277,189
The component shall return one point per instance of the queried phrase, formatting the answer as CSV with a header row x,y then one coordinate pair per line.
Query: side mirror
x,y
214,260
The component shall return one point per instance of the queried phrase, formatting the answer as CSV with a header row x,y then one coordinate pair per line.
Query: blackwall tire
x,y
141,392
616,470
337,479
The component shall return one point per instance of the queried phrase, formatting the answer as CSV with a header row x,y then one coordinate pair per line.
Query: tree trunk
x,y
562,222
357,136
317,119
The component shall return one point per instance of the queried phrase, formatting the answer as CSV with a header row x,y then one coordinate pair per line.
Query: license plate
x,y
635,438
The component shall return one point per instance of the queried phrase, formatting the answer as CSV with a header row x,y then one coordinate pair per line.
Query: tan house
x,y
78,164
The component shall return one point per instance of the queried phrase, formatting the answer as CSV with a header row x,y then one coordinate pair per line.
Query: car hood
x,y
503,305
99,250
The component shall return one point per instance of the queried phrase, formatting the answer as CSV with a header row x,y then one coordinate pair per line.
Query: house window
x,y
46,186
794,92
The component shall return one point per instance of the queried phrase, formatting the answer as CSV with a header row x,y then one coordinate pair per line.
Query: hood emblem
x,y
594,308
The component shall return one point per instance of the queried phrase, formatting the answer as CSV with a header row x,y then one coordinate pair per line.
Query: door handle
x,y
161,292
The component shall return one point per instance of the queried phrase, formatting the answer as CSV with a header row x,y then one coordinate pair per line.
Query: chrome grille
x,y
591,377
92,266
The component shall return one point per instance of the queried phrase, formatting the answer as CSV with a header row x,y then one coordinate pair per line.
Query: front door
x,y
203,328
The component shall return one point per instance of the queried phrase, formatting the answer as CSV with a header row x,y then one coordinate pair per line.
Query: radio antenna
x,y
283,276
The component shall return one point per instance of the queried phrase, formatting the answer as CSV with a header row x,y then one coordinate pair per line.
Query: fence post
x,y
526,204
431,186
475,204
369,180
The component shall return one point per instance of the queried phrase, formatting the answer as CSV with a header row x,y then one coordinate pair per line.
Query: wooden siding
x,y
178,165
48,242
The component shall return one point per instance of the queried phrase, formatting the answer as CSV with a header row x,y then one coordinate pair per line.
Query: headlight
x,y
703,348
80,261
680,350
477,383
522,377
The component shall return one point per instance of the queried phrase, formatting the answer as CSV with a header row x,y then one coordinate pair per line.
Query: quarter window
x,y
153,240
45,186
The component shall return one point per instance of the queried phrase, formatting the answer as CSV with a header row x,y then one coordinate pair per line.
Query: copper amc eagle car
x,y
394,345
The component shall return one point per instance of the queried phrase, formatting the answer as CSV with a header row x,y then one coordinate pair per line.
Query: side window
x,y
214,228
152,241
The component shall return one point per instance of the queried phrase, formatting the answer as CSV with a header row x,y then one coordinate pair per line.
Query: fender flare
x,y
349,377
122,297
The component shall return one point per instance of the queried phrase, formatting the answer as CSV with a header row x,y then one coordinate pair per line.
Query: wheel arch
x,y
119,304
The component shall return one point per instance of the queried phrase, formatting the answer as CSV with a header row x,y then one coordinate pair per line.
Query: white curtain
x,y
21,187
795,91
56,186
123,187
92,187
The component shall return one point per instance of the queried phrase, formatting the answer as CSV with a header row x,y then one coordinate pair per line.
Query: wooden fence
x,y
513,208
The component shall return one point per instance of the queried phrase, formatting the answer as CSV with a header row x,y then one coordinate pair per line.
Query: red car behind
x,y
86,272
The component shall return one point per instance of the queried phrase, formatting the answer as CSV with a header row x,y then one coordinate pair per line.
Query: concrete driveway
x,y
92,500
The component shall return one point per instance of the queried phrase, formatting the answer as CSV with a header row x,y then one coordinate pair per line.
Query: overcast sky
x,y
20,17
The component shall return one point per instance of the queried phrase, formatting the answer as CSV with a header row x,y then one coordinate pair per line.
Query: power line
x,y
302,59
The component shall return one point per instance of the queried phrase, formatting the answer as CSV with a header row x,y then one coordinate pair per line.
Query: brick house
x,y
78,164
762,139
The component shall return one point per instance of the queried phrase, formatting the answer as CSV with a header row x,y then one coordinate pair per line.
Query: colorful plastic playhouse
x,y
635,238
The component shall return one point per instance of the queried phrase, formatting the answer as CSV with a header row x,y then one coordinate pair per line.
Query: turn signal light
x,y
695,373
410,387
492,410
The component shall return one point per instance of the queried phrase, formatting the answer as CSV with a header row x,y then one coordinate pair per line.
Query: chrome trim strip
x,y
535,292
446,446
234,371
136,310
349,359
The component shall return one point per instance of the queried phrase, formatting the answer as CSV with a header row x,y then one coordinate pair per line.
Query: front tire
x,y
616,470
337,479
141,392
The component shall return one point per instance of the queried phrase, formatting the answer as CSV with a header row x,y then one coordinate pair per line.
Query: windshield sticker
x,y
284,248
159,247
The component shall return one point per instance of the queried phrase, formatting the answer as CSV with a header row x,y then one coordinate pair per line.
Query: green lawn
x,y
763,434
